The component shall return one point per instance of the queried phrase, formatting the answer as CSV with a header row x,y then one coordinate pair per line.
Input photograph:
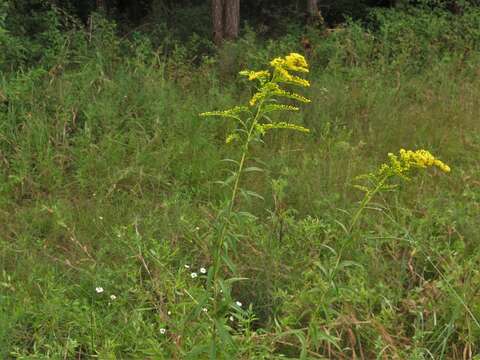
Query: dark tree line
x,y
227,16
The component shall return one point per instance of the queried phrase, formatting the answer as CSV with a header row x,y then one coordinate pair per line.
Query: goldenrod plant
x,y
252,122
399,166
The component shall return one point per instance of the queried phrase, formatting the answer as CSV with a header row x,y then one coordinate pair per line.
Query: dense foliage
x,y
111,195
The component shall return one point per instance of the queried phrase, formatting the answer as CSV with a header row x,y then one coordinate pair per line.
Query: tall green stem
x,y
244,156
366,199
225,220
235,188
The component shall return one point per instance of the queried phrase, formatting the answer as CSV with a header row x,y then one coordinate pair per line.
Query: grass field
x,y
109,201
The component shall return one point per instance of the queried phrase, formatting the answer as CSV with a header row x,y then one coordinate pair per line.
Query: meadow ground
x,y
109,200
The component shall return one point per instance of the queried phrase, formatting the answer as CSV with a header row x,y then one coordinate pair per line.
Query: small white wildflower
x,y
113,297
231,318
169,313
99,289
197,228
193,275
203,270
205,310
100,217
163,331
239,304
187,266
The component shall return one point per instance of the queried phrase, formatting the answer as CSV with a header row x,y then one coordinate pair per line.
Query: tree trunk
x,y
217,20
232,18
313,12
101,6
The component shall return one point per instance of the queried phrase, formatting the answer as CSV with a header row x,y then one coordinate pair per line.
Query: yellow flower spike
x,y
292,62
231,137
284,76
260,128
284,125
257,97
273,89
256,75
442,166
277,62
299,81
400,165
231,113
296,62
280,107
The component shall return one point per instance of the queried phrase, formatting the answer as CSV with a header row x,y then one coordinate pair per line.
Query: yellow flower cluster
x,y
279,107
256,75
282,71
422,158
231,137
265,99
293,62
232,113
263,128
407,159
282,68
273,89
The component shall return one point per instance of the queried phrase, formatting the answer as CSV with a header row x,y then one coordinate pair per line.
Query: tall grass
x,y
108,180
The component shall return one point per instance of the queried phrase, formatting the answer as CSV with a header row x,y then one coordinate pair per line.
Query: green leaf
x,y
252,169
225,286
318,336
196,351
247,215
249,193
231,161
344,228
362,188
230,179
224,334
227,261
234,280
348,263
213,349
